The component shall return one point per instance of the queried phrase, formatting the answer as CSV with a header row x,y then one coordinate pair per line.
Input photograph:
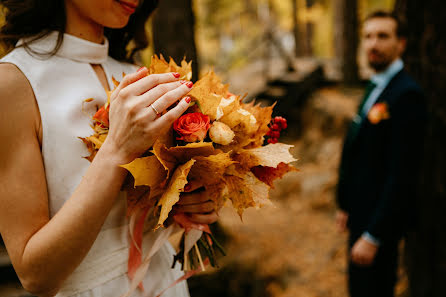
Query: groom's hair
x,y
401,30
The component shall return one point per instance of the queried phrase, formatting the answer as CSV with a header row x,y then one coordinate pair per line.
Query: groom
x,y
378,172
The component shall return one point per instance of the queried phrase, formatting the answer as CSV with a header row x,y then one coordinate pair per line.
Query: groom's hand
x,y
363,252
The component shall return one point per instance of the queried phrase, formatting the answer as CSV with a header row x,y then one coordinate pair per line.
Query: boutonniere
x,y
378,113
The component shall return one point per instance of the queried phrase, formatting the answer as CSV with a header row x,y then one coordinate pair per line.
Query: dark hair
x,y
401,30
35,19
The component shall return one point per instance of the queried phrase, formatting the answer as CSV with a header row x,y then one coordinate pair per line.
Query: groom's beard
x,y
378,61
379,67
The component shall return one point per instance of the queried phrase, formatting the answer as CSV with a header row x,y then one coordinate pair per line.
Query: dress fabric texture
x,y
60,84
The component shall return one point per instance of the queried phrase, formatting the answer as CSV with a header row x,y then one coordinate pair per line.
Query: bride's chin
x,y
116,26
117,22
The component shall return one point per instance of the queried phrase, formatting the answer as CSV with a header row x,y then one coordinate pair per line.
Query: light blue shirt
x,y
382,80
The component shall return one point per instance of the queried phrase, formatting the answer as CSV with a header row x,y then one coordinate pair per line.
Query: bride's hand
x,y
196,204
134,124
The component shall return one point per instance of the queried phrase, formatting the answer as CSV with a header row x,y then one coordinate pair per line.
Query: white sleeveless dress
x,y
60,84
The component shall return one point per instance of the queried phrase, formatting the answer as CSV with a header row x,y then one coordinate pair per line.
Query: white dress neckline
x,y
72,47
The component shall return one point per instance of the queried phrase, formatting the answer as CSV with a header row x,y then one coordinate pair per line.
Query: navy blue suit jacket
x,y
379,169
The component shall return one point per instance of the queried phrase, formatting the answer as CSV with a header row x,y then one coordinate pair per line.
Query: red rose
x,y
192,126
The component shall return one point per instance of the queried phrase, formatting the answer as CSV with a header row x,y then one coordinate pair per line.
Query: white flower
x,y
221,133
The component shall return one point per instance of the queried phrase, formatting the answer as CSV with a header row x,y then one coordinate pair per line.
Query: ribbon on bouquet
x,y
137,266
183,278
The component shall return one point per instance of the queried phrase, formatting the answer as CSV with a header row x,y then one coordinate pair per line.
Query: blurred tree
x,y
347,38
297,48
426,60
174,32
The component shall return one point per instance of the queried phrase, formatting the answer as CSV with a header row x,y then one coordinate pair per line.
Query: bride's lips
x,y
128,6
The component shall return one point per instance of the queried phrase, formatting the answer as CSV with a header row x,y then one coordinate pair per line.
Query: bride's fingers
x,y
128,80
204,218
196,208
166,120
193,198
170,98
148,82
192,185
151,96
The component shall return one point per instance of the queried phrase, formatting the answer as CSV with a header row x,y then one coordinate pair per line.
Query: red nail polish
x,y
187,99
190,84
187,187
140,69
176,74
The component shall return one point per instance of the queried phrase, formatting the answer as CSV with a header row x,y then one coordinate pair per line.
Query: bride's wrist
x,y
113,154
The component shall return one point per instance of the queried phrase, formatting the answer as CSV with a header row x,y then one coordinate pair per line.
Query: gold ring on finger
x,y
154,109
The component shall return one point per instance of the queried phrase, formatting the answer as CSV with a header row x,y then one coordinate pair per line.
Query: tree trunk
x,y
347,38
174,32
297,45
426,60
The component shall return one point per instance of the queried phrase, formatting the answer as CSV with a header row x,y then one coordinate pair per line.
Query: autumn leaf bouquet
x,y
227,147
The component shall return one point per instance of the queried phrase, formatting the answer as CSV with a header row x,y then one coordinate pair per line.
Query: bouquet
x,y
228,147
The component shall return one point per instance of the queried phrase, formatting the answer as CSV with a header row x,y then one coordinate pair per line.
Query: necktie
x,y
357,120
368,90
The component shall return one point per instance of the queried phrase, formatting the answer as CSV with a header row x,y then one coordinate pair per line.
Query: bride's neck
x,y
83,27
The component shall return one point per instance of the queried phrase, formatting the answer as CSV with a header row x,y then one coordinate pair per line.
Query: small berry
x,y
278,120
275,134
275,127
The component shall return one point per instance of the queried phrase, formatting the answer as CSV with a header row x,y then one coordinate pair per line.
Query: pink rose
x,y
192,126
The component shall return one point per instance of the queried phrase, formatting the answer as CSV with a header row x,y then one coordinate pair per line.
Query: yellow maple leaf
x,y
190,150
208,92
167,160
263,117
227,105
218,193
160,65
270,155
210,170
147,171
245,190
172,193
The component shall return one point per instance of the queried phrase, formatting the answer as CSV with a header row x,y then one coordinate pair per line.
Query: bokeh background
x,y
306,56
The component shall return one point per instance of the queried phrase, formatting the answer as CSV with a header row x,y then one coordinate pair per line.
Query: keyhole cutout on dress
x,y
100,73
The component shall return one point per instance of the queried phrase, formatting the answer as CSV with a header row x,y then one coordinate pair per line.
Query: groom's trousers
x,y
377,280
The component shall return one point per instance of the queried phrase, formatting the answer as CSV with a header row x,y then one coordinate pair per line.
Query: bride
x,y
62,218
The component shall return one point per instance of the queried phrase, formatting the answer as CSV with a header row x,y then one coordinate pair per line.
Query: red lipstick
x,y
129,7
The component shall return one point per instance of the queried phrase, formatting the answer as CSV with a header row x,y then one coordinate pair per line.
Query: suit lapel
x,y
385,96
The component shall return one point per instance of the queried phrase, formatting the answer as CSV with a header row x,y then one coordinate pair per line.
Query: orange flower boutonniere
x,y
378,113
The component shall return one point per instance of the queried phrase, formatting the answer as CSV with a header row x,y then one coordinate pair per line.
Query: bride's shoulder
x,y
16,93
13,79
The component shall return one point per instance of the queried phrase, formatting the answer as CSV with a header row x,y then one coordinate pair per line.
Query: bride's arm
x,y
44,252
